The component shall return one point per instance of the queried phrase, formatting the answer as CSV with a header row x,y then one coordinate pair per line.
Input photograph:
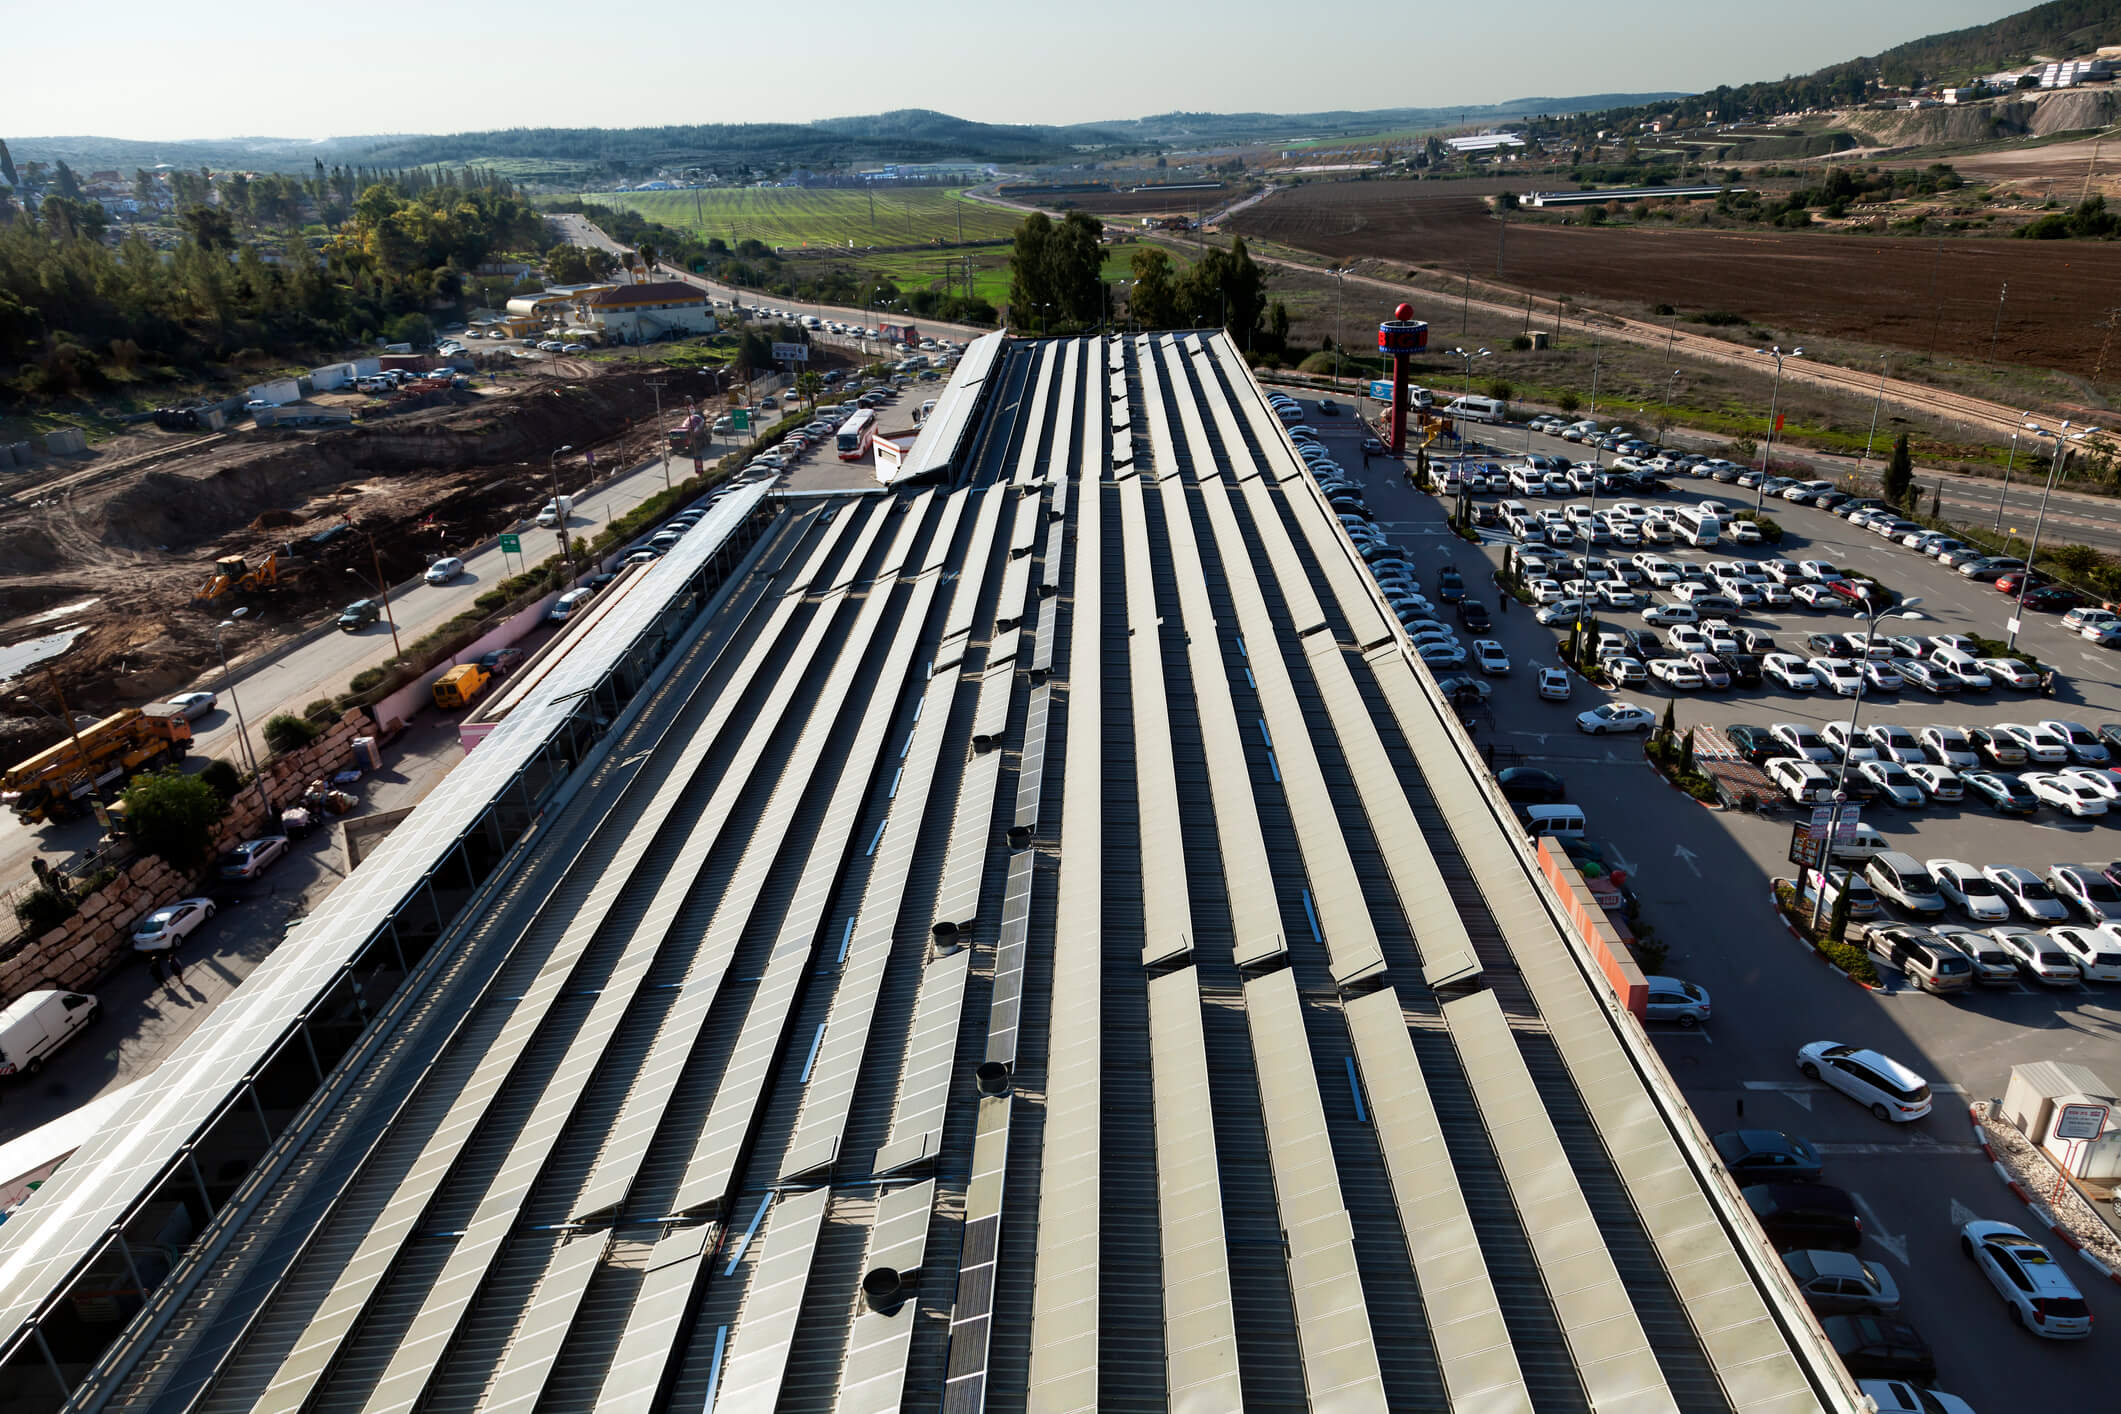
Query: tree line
x,y
1056,285
79,314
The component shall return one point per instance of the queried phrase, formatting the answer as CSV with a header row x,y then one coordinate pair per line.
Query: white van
x,y
1698,527
37,1023
1563,822
1479,409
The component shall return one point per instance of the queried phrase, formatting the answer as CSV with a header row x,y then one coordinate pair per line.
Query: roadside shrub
x,y
366,679
321,710
1521,342
1568,402
1500,389
43,909
223,777
1770,530
287,732
490,600
1846,956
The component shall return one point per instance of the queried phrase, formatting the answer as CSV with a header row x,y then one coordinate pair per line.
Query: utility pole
x,y
662,437
1997,327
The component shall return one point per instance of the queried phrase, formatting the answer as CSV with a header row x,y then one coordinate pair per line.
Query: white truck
x,y
556,511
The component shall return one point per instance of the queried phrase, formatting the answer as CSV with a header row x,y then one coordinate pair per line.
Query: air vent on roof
x,y
884,1288
993,1078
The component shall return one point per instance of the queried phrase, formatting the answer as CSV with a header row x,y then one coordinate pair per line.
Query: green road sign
x,y
741,419
512,544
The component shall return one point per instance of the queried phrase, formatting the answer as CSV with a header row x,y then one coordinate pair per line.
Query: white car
x,y
1744,532
1545,592
564,607
1819,571
1887,1088
1616,596
1815,596
1802,781
1840,675
1554,684
444,570
2064,793
1661,614
1442,655
2037,955
1939,783
2083,746
2032,1283
194,705
252,857
1783,572
171,924
1969,890
1880,676
1625,672
2103,780
1854,746
1949,746
2096,952
1672,999
1616,717
1489,656
1679,674
2010,670
1686,639
2025,891
1790,671
1900,1397
1803,740
2037,743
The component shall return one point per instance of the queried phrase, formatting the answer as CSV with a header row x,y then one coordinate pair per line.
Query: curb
x,y
1805,943
2032,1205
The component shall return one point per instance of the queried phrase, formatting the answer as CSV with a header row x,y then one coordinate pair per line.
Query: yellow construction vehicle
x,y
233,572
60,782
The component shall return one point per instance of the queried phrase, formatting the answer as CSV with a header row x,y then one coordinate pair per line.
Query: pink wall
x,y
397,709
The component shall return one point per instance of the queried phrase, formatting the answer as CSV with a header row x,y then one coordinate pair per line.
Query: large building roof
x,y
1044,945
652,293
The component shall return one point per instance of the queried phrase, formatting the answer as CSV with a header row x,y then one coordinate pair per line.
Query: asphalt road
x,y
1703,878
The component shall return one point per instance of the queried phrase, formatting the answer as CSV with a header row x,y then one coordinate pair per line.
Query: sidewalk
x,y
144,1020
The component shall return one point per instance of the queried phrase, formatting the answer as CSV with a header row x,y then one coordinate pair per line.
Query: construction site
x,y
117,566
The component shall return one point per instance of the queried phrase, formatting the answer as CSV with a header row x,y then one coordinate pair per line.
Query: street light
x,y
382,596
2004,494
1905,609
662,437
1774,401
552,470
228,690
1876,398
1340,294
2063,437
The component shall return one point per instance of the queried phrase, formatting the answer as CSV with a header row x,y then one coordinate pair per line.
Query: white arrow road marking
x,y
1962,1215
1894,1246
1620,859
1797,1092
1687,857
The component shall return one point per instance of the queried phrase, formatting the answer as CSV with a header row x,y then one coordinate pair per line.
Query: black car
x,y
1880,1348
358,615
1744,668
1474,615
1806,1215
1328,408
1643,643
1754,743
1528,785
1830,645
502,661
1767,1156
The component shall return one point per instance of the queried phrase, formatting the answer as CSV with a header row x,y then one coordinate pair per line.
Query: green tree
x,y
1838,920
1686,752
1669,725
223,777
1228,289
7,166
287,732
1568,402
1030,272
1899,472
173,814
1154,295
65,183
809,385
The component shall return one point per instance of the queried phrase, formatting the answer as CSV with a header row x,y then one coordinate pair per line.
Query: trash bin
x,y
367,753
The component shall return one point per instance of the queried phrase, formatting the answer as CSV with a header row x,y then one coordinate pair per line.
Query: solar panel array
x,y
1061,956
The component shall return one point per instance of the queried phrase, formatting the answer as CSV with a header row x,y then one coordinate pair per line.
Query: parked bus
x,y
1698,527
856,433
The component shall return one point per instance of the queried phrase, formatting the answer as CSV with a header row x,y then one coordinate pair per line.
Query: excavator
x,y
233,572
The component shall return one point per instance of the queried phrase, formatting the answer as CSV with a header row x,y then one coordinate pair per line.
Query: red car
x,y
2010,583
1856,591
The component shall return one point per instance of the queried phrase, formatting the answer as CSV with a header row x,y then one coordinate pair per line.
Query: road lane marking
x,y
1875,1230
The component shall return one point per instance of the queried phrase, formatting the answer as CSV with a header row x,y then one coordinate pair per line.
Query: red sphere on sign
x,y
1405,311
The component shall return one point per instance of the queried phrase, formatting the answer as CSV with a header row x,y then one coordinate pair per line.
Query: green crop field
x,y
910,270
794,217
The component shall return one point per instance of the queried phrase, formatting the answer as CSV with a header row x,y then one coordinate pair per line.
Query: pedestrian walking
x,y
156,967
176,967
1502,603
2047,683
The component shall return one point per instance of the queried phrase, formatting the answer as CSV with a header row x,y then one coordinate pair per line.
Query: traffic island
x,y
1850,960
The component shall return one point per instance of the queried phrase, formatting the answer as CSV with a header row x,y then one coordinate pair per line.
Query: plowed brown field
x,y
1880,289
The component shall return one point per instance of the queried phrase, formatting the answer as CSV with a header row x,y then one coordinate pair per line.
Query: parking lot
x,y
1703,880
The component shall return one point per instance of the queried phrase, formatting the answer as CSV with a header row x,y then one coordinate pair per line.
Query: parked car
x,y
2039,1293
2038,956
1529,785
564,607
1880,1346
252,857
1767,1156
2084,887
501,661
1806,1216
1881,1084
1802,781
1675,1000
2066,793
165,927
1841,1283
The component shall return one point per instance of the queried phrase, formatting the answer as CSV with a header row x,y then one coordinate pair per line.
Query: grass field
x,y
990,269
794,217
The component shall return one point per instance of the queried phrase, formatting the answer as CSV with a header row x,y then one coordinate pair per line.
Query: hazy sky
x,y
156,69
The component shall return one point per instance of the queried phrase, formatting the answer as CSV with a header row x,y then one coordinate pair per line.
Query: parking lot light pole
x,y
228,686
1905,609
1876,398
1468,356
2062,437
2008,463
1767,458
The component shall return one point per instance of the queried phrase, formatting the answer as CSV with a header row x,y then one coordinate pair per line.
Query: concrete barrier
x,y
1590,923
